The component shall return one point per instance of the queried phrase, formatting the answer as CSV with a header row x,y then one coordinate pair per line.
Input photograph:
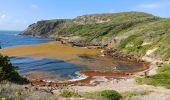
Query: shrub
x,y
126,41
12,91
3,98
8,71
111,94
17,94
129,95
67,93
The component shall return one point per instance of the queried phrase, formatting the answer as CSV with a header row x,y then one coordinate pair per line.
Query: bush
x,y
3,98
12,91
8,72
111,95
126,41
67,93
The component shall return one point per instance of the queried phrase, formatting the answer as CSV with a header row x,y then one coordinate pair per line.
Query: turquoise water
x,y
26,64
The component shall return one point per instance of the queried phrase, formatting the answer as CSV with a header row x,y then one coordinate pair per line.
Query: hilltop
x,y
135,33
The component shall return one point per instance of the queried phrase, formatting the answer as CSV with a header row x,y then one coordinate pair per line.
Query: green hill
x,y
136,33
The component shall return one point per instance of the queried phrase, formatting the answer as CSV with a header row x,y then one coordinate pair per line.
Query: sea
x,y
58,67
26,64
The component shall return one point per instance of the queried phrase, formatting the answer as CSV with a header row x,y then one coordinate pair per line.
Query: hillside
x,y
135,33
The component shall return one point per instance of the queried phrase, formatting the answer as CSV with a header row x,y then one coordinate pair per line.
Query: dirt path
x,y
121,86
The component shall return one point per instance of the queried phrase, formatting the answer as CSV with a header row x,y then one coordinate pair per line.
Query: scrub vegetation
x,y
130,32
162,78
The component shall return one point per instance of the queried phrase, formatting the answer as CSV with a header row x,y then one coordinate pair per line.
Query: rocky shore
x,y
90,75
121,56
88,81
74,52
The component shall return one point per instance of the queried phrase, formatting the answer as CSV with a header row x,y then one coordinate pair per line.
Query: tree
x,y
8,71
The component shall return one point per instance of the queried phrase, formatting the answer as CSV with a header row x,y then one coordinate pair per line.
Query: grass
x,y
68,93
12,91
133,28
162,78
131,94
126,41
103,95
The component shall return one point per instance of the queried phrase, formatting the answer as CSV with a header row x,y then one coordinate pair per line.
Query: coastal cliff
x,y
133,33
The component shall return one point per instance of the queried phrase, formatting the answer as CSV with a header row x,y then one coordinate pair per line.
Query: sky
x,y
18,14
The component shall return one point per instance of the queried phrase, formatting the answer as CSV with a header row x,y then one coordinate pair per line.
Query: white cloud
x,y
34,6
3,16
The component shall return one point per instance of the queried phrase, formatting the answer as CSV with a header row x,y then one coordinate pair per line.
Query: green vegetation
x,y
12,91
104,95
162,78
9,90
126,41
131,94
93,29
111,95
67,94
8,72
130,32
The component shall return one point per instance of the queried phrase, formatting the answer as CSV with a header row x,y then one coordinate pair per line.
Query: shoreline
x,y
97,81
86,81
21,52
88,78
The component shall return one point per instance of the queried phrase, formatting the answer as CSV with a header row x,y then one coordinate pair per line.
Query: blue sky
x,y
18,14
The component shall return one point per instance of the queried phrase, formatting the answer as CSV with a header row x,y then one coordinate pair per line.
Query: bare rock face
x,y
130,32
45,27
88,19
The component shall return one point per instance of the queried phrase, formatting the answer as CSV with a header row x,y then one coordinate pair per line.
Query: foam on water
x,y
78,77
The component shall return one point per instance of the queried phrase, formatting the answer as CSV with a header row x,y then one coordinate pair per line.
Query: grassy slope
x,y
128,31
133,28
156,33
116,24
162,78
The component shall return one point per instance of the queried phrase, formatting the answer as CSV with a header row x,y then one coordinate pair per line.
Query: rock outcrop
x,y
46,27
128,32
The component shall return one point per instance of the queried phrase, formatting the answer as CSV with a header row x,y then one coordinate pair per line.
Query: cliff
x,y
135,33
46,27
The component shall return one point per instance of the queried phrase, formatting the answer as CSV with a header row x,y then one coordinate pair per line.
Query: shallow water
x,y
59,67
56,66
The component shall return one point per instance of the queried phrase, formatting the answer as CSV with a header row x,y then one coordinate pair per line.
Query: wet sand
x,y
88,81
